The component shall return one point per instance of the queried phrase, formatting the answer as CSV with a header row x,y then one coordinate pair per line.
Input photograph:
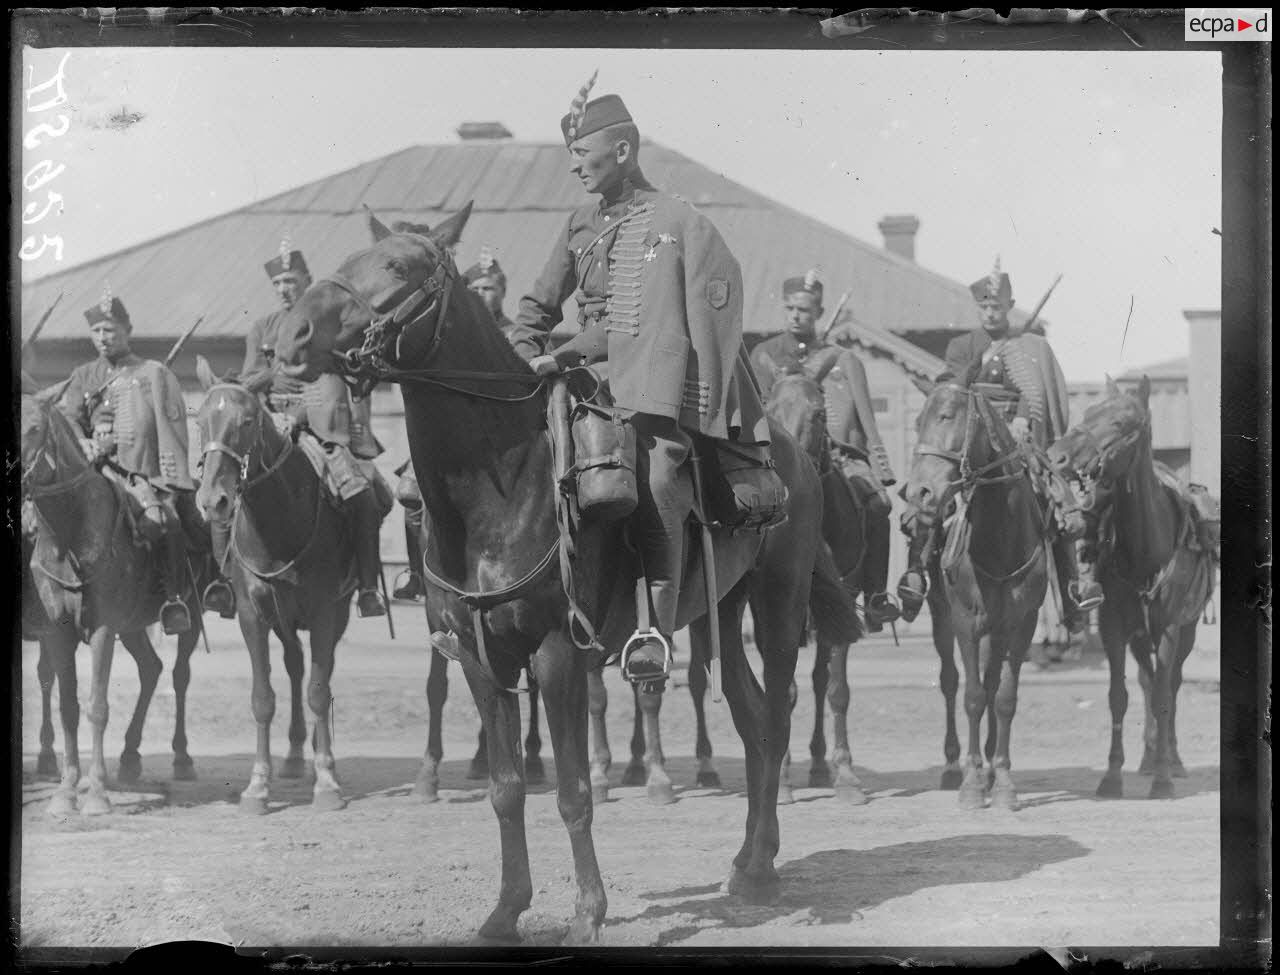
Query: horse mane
x,y
67,442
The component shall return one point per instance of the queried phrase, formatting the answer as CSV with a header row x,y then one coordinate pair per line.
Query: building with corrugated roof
x,y
896,313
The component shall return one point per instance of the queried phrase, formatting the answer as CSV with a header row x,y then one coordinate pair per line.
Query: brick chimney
x,y
900,235
472,131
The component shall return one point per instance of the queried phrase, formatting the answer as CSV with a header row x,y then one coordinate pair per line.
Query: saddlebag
x,y
603,474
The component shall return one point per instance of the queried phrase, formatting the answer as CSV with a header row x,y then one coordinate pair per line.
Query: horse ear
x,y
1144,390
204,372
1112,388
376,226
924,385
448,232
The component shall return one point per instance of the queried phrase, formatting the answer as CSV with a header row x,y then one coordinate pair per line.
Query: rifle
x,y
834,315
1036,311
43,318
182,340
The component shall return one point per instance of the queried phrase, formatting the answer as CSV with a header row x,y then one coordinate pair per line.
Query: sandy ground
x,y
178,860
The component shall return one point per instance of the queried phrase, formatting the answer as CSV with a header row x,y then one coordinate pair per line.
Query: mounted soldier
x,y
660,301
856,445
340,423
488,280
134,419
1017,369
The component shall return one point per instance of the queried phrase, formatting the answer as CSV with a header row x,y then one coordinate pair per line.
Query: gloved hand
x,y
104,443
544,365
1021,429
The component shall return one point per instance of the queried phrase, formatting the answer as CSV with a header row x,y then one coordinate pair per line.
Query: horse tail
x,y
831,605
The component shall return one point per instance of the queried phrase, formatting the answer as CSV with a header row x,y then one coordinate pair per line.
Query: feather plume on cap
x,y
993,279
578,107
104,305
286,250
810,278
486,258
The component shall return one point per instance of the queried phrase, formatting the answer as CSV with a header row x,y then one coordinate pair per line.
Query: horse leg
x,y
848,787
785,794
1162,704
102,645
427,786
823,678
534,772
149,667
708,777
61,647
1003,793
326,795
257,640
479,768
1186,642
634,774
601,759
944,643
973,787
184,768
295,761
47,761
657,782
500,713
1115,645
1146,681
560,671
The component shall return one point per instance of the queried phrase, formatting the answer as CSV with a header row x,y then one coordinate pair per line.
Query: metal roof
x,y
522,192
1168,369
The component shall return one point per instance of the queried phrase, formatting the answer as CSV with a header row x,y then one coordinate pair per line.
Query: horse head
x,y
797,403
49,446
381,298
1101,448
234,431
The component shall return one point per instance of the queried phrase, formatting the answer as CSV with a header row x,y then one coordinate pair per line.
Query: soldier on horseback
x,y
339,422
132,411
660,300
856,445
1018,368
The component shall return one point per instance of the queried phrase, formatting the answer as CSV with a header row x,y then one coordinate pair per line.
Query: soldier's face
x,y
491,292
289,286
994,314
802,310
110,338
597,160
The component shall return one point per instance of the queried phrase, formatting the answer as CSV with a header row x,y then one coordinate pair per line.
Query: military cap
x,y
109,309
585,117
486,266
808,282
287,260
994,285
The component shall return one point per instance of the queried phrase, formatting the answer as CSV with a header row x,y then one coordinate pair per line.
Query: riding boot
x,y
1080,592
408,584
366,523
174,615
218,595
880,608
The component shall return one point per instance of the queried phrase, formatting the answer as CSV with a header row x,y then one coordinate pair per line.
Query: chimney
x,y
900,235
474,131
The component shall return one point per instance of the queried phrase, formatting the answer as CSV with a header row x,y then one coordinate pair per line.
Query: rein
x,y
971,478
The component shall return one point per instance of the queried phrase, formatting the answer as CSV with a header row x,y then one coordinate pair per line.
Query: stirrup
x,y
175,617
369,602
445,644
410,588
1084,605
880,610
218,595
638,639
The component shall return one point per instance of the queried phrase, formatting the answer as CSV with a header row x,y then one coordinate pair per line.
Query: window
x,y
880,404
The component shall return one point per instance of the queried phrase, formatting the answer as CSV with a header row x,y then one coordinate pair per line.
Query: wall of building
x,y
1205,381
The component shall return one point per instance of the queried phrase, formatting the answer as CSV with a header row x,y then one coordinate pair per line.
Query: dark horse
x,y
1156,573
94,579
994,564
797,403
291,563
477,430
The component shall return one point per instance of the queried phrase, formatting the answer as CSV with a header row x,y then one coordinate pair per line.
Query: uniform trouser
x,y
366,518
665,490
875,500
413,538
188,530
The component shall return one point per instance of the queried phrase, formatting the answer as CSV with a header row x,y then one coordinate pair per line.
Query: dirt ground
x,y
178,860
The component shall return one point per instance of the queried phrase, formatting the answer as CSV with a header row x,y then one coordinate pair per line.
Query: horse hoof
x,y
1111,787
852,795
95,805
972,799
62,805
951,779
1006,799
759,891
583,931
293,768
599,794
328,800
130,770
185,771
425,792
1148,764
660,793
498,931
253,805
478,770
534,772
820,778
634,775
785,795
1161,789
47,766
708,780
1178,770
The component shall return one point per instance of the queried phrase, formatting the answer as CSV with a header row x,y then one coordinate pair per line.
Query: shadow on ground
x,y
836,886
